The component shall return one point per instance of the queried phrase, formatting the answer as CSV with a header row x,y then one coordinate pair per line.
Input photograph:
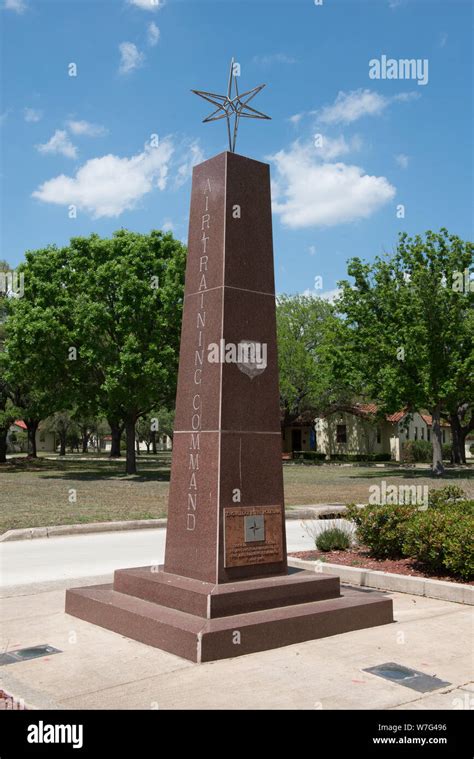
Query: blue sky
x,y
85,140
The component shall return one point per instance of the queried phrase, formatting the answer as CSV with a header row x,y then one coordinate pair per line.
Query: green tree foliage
x,y
97,330
128,320
314,365
412,327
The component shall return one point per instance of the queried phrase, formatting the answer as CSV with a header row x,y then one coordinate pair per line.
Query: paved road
x,y
26,562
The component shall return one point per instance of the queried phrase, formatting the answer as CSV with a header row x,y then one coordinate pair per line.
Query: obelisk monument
x,y
224,589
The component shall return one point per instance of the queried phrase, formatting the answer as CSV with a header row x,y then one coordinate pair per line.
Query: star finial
x,y
232,106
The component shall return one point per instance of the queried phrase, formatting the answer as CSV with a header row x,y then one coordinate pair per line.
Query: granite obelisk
x,y
227,475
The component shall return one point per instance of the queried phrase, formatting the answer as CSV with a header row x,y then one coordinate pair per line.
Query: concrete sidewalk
x,y
98,669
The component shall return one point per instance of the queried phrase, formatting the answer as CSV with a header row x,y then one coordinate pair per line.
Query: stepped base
x,y
225,621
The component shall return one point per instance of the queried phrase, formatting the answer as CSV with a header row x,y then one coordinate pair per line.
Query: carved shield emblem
x,y
251,358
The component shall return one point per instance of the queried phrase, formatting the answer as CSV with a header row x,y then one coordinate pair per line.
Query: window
x,y
422,433
379,435
428,434
341,433
42,437
444,436
416,433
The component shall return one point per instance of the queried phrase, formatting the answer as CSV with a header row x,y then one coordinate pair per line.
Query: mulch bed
x,y
360,558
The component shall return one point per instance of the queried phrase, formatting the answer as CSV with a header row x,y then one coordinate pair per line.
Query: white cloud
x,y
331,148
130,57
185,170
296,118
167,226
331,295
85,128
153,34
110,185
405,97
147,5
31,115
267,60
402,160
350,106
4,116
310,193
59,144
312,250
19,6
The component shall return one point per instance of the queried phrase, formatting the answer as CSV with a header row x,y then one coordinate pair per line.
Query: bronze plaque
x,y
252,535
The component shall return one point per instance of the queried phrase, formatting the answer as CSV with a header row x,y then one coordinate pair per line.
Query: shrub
x,y
417,451
446,451
360,457
442,539
305,456
333,539
381,528
447,495
382,457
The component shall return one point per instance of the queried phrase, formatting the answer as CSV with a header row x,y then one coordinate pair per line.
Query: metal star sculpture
x,y
232,106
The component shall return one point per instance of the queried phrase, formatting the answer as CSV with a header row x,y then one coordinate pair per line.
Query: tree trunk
x,y
32,427
437,466
62,442
3,444
153,442
138,445
131,465
116,430
458,434
85,441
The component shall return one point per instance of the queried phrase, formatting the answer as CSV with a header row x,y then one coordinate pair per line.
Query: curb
x,y
317,511
31,533
372,578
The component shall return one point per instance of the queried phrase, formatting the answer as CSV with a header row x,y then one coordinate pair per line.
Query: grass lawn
x,y
39,495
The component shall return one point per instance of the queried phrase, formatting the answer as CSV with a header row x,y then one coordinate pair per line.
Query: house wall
x,y
163,443
46,441
362,436
419,430
469,455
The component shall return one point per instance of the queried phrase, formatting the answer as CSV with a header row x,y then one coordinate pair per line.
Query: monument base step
x,y
200,640
209,600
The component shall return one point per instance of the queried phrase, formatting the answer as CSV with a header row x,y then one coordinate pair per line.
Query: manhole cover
x,y
406,676
23,654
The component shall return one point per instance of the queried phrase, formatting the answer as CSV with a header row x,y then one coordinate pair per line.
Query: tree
x,y
8,411
313,367
411,328
63,424
38,339
127,322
